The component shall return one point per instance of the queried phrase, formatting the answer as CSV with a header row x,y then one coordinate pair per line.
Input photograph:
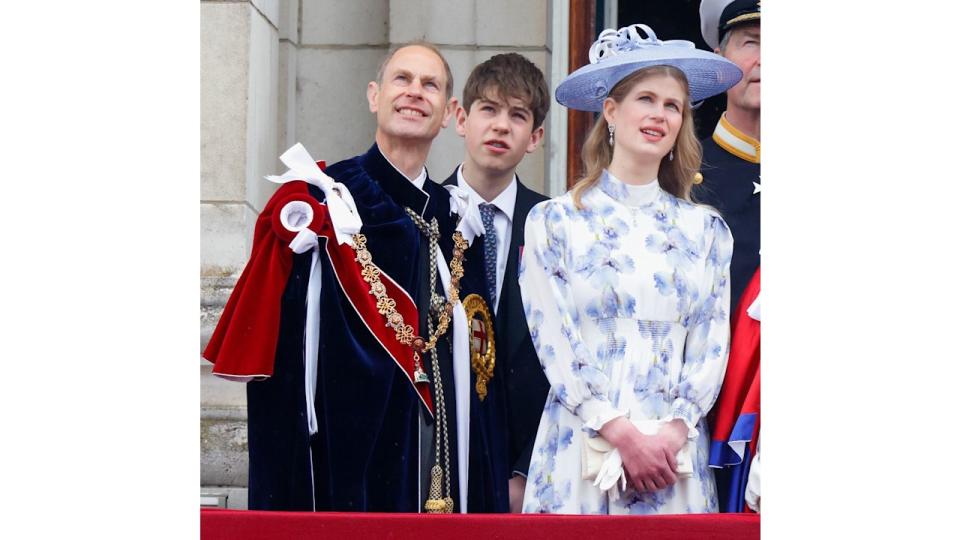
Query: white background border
x,y
100,226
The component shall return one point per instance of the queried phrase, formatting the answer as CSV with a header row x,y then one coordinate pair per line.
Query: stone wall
x,y
275,72
343,43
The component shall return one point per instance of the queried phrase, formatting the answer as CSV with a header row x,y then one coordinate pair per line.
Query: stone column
x,y
340,49
239,101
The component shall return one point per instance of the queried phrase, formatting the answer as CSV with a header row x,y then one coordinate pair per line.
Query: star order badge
x,y
482,344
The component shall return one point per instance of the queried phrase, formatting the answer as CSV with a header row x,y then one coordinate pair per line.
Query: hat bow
x,y
612,42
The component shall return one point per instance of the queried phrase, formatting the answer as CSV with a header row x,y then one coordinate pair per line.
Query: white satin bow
x,y
462,204
612,42
343,211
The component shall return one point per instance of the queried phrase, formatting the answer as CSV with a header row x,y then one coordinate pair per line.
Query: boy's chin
x,y
499,164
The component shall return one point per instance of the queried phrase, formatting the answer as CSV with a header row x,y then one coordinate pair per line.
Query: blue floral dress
x,y
627,303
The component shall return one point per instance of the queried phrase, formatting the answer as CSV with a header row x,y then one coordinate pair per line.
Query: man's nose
x,y
415,88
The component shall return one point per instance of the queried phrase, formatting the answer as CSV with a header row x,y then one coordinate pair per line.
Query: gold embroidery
x,y
725,135
743,18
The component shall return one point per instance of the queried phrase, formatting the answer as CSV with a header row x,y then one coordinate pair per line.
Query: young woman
x,y
625,288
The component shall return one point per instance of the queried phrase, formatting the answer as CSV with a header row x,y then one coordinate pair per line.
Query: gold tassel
x,y
435,504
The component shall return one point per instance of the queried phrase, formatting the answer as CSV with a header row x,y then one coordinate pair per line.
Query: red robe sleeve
x,y
737,411
244,342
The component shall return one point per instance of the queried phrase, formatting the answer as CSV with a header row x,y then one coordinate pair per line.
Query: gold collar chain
x,y
388,306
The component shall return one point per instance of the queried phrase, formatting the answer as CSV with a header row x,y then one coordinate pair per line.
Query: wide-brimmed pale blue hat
x,y
618,53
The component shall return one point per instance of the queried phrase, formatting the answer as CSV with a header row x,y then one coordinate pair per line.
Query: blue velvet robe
x,y
366,455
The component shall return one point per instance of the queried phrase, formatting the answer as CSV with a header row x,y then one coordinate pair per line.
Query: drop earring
x,y
671,155
611,129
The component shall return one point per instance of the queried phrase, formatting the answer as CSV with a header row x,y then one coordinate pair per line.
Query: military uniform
x,y
731,184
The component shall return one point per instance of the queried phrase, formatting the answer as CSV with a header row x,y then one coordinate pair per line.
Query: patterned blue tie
x,y
490,249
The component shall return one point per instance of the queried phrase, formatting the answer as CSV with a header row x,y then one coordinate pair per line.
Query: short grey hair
x,y
725,40
426,45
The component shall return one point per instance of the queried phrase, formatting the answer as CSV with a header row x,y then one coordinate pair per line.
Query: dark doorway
x,y
675,19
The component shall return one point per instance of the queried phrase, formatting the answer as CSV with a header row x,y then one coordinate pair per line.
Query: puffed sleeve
x,y
553,318
244,344
708,333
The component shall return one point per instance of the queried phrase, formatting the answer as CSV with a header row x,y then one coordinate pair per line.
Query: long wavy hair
x,y
675,176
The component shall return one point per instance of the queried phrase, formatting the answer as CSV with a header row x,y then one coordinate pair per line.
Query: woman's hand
x,y
674,434
649,460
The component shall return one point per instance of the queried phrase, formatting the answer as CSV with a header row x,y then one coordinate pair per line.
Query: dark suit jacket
x,y
517,362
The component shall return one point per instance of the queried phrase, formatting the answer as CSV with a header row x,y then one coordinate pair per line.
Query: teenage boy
x,y
505,101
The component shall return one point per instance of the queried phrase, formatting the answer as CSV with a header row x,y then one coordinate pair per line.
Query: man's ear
x,y
536,137
448,111
461,121
373,90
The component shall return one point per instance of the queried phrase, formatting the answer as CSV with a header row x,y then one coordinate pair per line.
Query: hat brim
x,y
707,75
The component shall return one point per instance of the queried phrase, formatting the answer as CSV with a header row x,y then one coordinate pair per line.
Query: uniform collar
x,y
735,141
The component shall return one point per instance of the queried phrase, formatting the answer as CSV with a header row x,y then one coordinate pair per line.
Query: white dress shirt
x,y
502,223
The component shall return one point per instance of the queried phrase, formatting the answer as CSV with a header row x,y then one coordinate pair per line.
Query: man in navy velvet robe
x,y
374,443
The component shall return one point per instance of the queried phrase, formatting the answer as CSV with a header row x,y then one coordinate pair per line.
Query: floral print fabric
x,y
628,303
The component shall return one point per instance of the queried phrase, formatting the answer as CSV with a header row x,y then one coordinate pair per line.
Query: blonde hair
x,y
675,176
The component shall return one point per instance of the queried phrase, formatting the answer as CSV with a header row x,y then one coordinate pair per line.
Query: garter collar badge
x,y
482,344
